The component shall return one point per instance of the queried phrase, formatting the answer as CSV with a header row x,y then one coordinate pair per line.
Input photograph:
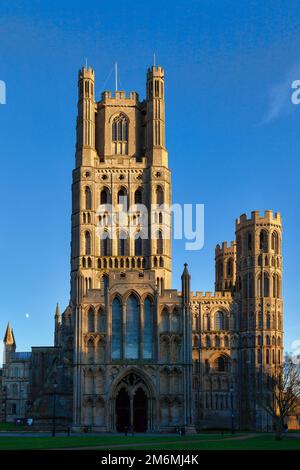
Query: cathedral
x,y
130,352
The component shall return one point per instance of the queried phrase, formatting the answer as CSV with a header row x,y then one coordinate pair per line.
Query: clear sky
x,y
232,132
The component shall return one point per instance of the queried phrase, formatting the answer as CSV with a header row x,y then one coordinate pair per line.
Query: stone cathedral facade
x,y
130,351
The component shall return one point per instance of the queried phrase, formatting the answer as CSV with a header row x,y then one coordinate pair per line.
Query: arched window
x,y
249,241
175,321
88,198
105,246
217,342
219,321
266,285
104,196
263,241
148,329
159,243
159,195
122,244
259,286
87,237
220,270
138,196
100,321
274,282
120,128
132,328
137,244
165,326
91,321
221,364
278,283
229,267
116,329
275,242
123,199
120,134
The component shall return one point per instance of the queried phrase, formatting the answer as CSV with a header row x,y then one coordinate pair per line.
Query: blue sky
x,y
232,132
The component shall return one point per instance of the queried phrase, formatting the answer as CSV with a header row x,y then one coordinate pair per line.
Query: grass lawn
x,y
13,427
195,442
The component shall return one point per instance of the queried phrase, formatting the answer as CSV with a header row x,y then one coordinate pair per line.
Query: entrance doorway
x,y
137,416
140,411
123,411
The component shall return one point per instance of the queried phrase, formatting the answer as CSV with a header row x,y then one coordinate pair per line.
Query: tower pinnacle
x,y
9,339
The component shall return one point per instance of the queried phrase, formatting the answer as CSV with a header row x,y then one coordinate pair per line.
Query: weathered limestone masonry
x,y
130,352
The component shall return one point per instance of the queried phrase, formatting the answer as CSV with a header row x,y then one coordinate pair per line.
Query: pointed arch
x,y
122,198
219,321
88,198
87,240
138,251
104,196
91,320
159,195
120,128
148,329
275,241
159,243
263,241
123,243
266,285
138,196
132,327
116,328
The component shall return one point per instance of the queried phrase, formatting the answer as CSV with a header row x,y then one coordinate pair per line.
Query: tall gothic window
x,y
159,195
100,321
88,198
263,241
132,328
229,267
91,321
116,329
275,242
105,246
122,244
120,135
87,243
219,321
104,196
266,285
148,329
159,243
138,196
123,198
137,244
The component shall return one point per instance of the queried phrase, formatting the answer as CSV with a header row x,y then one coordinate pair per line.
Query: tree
x,y
282,395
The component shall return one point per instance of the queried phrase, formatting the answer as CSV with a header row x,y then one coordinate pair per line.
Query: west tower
x,y
120,156
132,331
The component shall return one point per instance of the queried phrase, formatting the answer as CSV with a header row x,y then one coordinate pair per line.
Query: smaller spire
x,y
57,311
9,338
185,270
